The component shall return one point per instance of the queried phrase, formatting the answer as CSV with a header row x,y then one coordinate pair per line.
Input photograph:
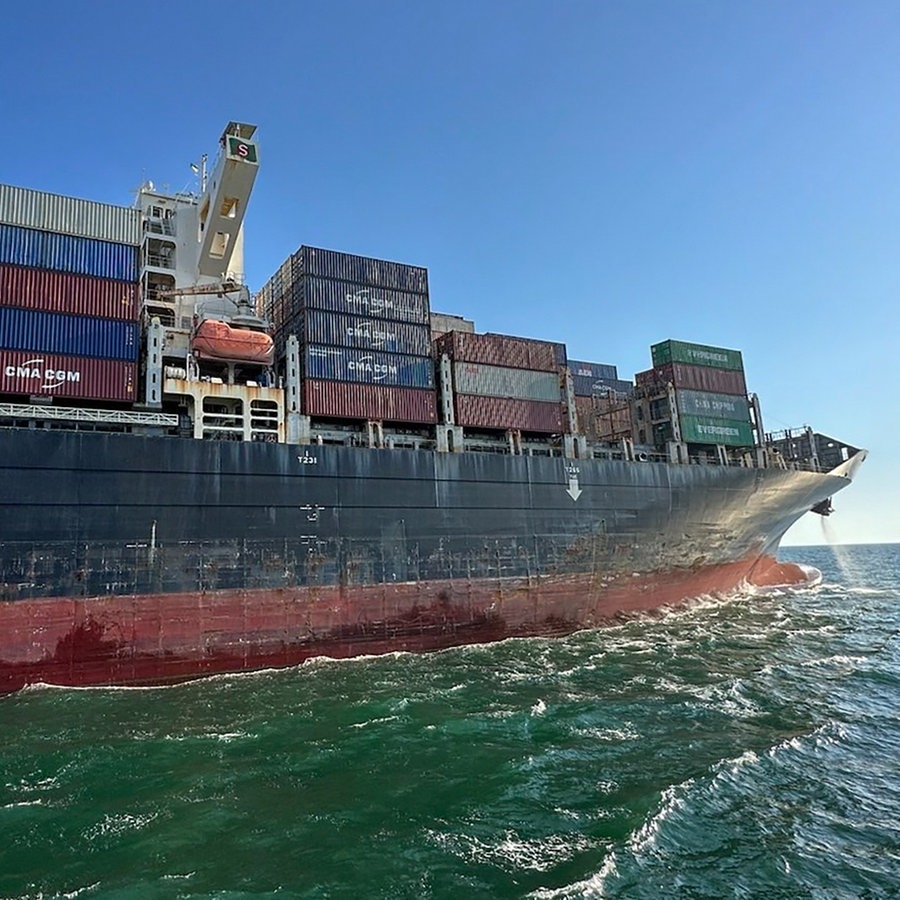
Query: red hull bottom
x,y
157,639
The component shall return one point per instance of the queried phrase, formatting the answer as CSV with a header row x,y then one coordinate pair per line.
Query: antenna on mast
x,y
201,171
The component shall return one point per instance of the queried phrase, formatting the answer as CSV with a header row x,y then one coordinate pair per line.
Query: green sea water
x,y
743,748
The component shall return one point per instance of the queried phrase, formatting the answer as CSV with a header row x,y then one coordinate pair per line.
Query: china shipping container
x,y
340,400
64,253
367,367
361,270
707,430
27,329
696,355
588,386
69,215
322,327
593,370
497,381
69,377
502,350
695,378
505,413
62,292
715,406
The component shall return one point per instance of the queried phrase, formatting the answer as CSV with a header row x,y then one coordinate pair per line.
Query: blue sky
x,y
604,174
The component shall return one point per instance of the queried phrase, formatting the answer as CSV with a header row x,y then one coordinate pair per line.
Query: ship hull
x,y
132,560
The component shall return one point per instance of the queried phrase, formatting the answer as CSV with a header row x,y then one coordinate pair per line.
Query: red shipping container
x,y
505,412
346,400
502,350
695,378
72,377
62,292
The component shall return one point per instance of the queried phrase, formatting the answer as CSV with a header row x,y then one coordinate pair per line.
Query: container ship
x,y
200,479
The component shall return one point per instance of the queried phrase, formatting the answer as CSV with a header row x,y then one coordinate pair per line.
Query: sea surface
x,y
745,748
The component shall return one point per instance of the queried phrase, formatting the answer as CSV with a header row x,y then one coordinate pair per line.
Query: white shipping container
x,y
499,381
69,215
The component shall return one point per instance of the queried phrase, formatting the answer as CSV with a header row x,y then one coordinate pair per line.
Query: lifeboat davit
x,y
233,342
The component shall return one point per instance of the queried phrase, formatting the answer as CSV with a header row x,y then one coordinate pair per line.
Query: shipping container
x,y
69,377
64,253
588,386
603,420
695,378
706,430
323,327
696,355
361,270
31,330
715,406
62,292
340,400
593,370
497,381
503,413
502,350
367,366
69,215
441,323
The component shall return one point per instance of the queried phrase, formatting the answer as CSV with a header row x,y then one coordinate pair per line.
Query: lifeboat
x,y
237,341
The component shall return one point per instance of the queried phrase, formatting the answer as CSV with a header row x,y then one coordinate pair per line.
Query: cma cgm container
x,y
322,327
497,381
64,253
340,400
695,378
716,406
69,215
508,413
68,377
62,292
502,350
696,355
707,430
362,270
26,329
367,366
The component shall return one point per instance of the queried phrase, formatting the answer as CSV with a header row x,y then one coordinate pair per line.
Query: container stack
x,y
364,331
602,408
69,299
503,382
710,393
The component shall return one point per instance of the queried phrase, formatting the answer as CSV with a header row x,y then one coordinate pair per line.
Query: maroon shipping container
x,y
502,350
695,378
345,400
505,412
72,377
62,292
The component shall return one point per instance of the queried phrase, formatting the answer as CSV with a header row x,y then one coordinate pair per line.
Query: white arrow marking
x,y
573,490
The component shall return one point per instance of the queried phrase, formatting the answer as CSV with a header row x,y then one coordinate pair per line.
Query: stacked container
x,y
364,331
503,382
596,379
710,391
68,296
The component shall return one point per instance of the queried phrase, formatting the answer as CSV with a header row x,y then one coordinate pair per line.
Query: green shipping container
x,y
696,355
713,406
707,430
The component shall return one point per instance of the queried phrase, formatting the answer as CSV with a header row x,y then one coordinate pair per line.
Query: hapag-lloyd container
x,y
696,355
505,413
695,378
27,329
363,270
69,377
593,370
340,400
64,253
716,406
367,366
69,215
323,327
62,292
498,381
707,430
502,350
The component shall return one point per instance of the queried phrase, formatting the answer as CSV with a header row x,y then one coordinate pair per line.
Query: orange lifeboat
x,y
232,342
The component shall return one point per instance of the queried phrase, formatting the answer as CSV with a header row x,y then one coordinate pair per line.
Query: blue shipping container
x,y
31,330
65,253
367,367
343,297
359,269
323,327
588,386
592,370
